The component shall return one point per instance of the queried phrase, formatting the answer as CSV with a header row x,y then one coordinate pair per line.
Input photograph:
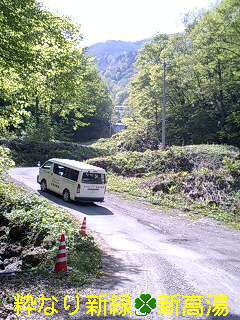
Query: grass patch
x,y
131,188
203,180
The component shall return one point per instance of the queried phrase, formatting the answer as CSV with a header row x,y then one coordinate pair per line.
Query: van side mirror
x,y
39,164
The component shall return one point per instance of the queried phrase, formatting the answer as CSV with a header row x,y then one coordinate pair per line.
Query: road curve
x,y
147,250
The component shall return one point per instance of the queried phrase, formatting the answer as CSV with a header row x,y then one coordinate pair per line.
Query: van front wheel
x,y
43,185
66,195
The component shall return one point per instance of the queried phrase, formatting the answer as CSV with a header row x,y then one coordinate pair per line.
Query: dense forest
x,y
203,81
48,86
115,61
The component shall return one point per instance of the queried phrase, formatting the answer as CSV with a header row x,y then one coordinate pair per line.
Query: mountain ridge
x,y
115,61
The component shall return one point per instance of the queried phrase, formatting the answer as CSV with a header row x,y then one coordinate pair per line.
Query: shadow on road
x,y
117,274
90,209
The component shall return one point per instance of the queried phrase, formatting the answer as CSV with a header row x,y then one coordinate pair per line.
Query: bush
x,y
139,138
174,159
107,147
27,152
5,161
204,175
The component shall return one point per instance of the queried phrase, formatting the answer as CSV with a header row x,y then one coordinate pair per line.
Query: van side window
x,y
47,165
71,174
58,169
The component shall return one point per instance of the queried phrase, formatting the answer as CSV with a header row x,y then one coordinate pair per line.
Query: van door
x,y
46,172
56,183
92,184
69,181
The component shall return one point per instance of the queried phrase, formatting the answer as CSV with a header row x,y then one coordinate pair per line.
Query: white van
x,y
72,179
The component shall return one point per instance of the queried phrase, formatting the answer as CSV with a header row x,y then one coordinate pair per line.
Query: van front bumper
x,y
84,199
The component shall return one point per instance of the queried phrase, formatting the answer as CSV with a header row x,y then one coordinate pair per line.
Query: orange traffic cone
x,y
83,230
61,261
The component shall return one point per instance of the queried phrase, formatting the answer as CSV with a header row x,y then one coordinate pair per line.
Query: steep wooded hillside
x,y
115,60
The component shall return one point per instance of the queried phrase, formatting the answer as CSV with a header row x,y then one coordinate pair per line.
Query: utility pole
x,y
110,126
164,106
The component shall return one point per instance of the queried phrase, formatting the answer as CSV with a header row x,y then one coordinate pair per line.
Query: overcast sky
x,y
132,20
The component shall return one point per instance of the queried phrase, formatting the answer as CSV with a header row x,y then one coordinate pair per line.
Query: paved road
x,y
149,251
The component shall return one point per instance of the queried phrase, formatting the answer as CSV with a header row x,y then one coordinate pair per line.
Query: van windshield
x,y
93,178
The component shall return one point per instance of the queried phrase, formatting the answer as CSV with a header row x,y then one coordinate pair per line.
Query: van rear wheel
x,y
66,195
43,185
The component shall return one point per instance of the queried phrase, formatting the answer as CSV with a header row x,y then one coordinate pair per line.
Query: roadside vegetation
x,y
203,180
30,228
27,152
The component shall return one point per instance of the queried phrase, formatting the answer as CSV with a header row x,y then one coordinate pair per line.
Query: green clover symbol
x,y
145,304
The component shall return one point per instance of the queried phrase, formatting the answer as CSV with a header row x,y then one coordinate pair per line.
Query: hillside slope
x,y
115,61
203,180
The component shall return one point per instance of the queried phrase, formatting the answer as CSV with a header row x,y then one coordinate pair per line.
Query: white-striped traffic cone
x,y
83,230
61,261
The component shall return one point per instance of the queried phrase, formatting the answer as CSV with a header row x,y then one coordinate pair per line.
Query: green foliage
x,y
108,146
5,160
47,83
27,152
202,81
26,209
174,159
22,208
233,166
203,179
137,137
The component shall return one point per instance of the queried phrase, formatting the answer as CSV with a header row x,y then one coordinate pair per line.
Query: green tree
x,y
46,82
203,81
